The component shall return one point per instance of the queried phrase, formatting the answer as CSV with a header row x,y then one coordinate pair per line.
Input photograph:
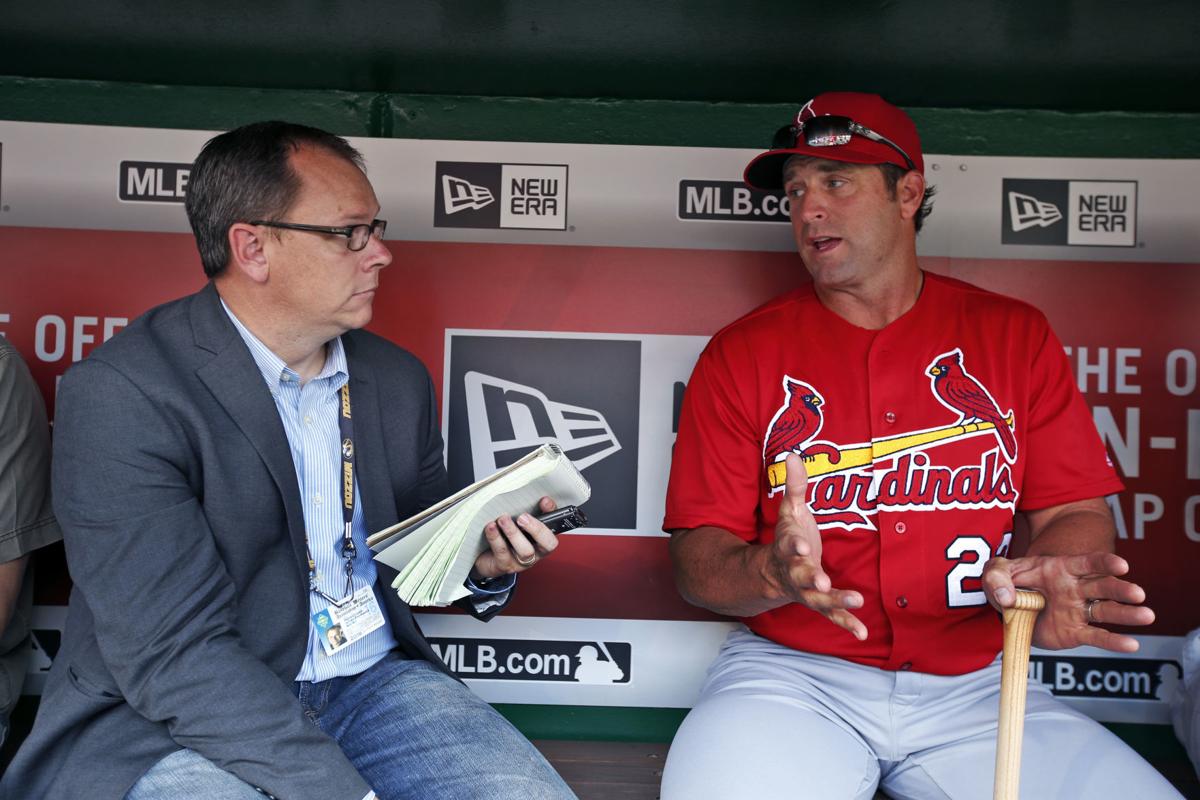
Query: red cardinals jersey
x,y
921,440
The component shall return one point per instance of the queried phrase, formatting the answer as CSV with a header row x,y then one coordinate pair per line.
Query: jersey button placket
x,y
885,396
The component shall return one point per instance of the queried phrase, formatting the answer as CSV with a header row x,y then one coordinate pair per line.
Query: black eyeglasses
x,y
830,131
357,236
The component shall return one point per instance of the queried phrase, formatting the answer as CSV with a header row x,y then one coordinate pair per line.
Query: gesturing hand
x,y
1080,591
794,561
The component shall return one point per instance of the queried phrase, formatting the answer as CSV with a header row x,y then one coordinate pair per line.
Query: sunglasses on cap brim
x,y
830,131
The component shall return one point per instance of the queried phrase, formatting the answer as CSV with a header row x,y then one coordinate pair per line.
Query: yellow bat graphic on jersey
x,y
855,457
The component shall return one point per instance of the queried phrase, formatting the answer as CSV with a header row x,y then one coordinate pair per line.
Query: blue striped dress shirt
x,y
310,418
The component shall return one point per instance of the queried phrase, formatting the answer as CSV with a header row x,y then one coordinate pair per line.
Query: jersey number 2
x,y
968,568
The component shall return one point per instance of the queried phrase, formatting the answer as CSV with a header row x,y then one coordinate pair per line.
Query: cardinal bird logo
x,y
959,391
796,423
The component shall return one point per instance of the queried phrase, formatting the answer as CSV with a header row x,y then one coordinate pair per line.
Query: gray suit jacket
x,y
176,492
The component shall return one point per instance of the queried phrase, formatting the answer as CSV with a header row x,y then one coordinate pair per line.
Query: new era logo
x,y
516,418
473,194
507,394
1027,211
1076,213
459,195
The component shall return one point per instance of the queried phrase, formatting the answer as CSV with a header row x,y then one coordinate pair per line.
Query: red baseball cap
x,y
849,127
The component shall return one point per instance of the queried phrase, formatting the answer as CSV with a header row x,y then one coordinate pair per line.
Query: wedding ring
x,y
527,563
1088,610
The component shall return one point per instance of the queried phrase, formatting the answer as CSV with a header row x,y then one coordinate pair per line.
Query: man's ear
x,y
910,191
247,251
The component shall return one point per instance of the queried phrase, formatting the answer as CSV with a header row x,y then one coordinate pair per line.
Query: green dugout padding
x,y
645,122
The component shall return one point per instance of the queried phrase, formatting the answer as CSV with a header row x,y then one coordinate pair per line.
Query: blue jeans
x,y
412,732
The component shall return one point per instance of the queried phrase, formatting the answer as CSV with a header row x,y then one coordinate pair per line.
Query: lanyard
x,y
348,550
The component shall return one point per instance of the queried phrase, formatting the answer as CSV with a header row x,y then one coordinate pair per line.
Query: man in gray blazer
x,y
217,467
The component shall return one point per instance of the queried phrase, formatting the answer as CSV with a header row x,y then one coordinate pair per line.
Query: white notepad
x,y
434,550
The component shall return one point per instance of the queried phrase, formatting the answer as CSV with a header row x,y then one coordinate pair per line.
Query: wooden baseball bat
x,y
1014,679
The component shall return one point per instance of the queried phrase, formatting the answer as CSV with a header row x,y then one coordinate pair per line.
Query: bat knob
x,y
1029,600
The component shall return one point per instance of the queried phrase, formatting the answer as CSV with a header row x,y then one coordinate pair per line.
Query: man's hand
x,y
515,546
793,564
1081,591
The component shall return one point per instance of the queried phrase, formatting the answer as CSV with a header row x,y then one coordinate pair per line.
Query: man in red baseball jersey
x,y
849,463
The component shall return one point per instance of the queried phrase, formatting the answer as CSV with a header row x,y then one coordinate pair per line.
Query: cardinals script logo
x,y
850,482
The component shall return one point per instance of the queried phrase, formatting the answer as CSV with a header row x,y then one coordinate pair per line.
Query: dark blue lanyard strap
x,y
348,550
